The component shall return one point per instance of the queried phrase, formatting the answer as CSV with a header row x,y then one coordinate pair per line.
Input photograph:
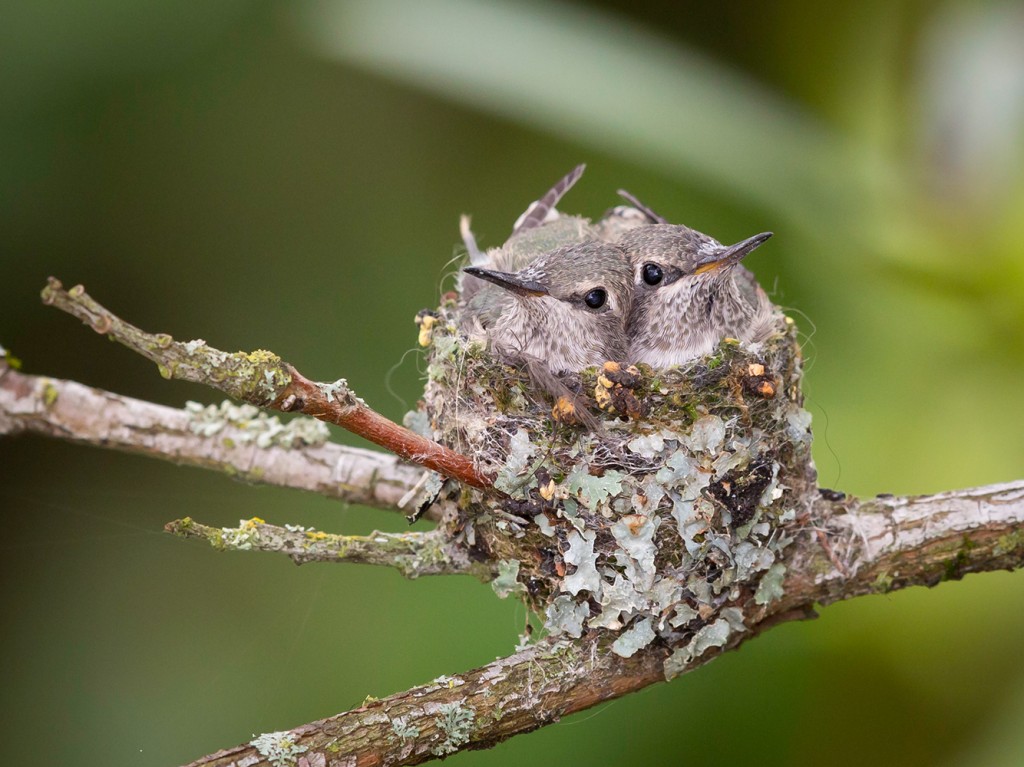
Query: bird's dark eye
x,y
652,274
595,299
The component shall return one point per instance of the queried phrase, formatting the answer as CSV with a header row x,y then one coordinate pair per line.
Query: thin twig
x,y
412,553
263,379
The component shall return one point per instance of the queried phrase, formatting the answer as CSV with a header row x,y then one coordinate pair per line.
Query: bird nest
x,y
664,521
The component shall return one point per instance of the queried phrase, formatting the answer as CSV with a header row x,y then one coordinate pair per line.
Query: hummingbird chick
x,y
566,309
690,292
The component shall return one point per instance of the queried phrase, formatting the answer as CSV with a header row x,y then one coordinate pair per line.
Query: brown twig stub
x,y
337,404
261,378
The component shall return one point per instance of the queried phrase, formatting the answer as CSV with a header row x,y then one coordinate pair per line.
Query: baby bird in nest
x,y
690,293
567,309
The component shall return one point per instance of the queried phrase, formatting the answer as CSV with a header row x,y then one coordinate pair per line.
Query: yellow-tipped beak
x,y
733,254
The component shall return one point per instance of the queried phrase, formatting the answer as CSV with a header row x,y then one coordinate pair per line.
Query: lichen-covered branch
x,y
527,690
263,379
235,440
413,554
849,548
887,543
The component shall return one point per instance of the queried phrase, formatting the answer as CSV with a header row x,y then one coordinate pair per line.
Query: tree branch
x,y
251,449
413,554
850,548
888,543
513,695
261,378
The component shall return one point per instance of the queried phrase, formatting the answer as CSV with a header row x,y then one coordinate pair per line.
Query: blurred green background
x,y
290,176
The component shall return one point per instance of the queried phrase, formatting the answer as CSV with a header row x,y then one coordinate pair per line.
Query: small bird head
x,y
662,255
568,307
690,292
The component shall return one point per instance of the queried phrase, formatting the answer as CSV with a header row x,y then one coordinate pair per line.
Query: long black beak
x,y
733,254
508,281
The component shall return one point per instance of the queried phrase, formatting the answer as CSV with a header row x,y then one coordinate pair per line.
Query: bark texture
x,y
243,448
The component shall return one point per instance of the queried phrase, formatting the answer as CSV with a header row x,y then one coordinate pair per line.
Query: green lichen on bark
x,y
257,377
455,721
50,394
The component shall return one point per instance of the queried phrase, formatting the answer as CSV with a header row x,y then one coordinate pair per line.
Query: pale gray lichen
x,y
647,445
565,616
751,558
770,586
678,466
443,348
544,525
618,598
505,583
451,682
511,477
636,637
338,390
683,614
707,435
419,422
256,427
403,729
278,748
456,722
799,422
581,554
714,634
635,536
665,595
592,490
242,537
526,639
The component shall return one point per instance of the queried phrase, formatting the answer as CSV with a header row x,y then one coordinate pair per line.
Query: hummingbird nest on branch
x,y
665,522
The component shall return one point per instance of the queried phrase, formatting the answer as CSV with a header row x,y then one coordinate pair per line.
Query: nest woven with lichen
x,y
666,522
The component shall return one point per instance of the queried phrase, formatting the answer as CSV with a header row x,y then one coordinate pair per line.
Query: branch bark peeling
x,y
263,379
871,546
